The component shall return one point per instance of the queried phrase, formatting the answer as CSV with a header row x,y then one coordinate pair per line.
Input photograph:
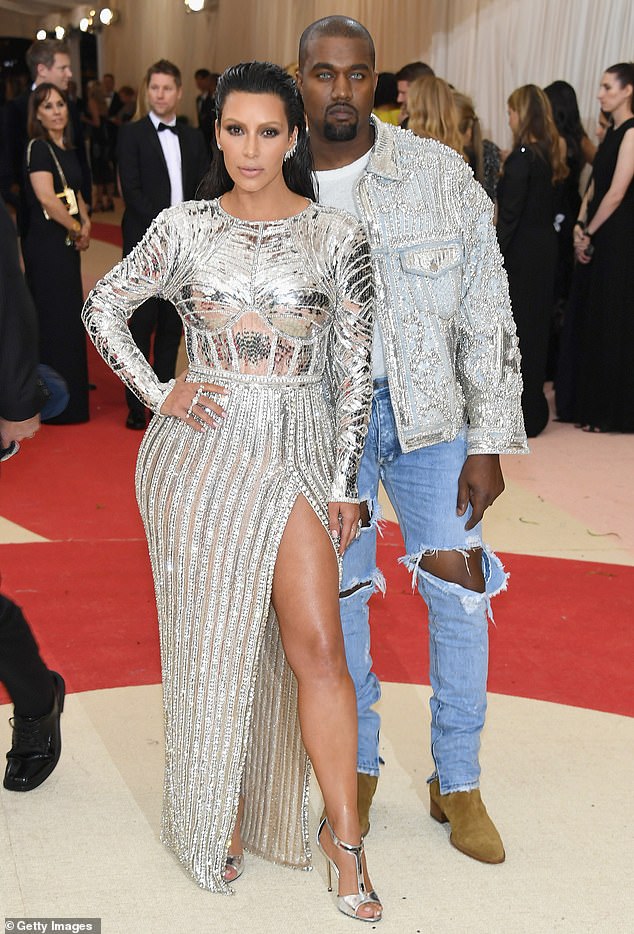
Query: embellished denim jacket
x,y
443,307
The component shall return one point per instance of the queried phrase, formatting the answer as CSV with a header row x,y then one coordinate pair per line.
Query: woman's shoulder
x,y
38,155
335,220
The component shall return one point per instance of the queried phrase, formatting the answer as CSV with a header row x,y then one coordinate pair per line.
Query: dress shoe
x,y
136,421
37,744
366,786
472,830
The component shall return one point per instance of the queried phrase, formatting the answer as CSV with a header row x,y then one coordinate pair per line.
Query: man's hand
x,y
18,431
480,483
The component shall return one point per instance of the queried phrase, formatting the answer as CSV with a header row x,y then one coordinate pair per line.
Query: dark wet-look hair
x,y
263,78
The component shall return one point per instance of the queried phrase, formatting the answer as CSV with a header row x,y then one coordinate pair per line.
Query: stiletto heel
x,y
349,904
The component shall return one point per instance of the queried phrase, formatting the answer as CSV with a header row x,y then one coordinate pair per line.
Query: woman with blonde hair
x,y
526,212
432,112
482,154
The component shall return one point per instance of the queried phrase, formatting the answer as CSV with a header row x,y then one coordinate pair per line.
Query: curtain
x,y
485,48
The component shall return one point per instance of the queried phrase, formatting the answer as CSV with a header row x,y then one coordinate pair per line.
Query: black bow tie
x,y
166,126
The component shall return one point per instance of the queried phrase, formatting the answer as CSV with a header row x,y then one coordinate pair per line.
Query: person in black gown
x,y
603,295
51,248
580,152
526,212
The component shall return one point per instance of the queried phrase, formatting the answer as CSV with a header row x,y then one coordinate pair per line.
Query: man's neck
x,y
167,118
330,154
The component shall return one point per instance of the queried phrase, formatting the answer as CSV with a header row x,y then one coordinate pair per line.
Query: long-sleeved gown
x,y
280,313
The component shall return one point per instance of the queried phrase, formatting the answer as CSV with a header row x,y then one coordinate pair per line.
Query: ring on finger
x,y
357,534
194,401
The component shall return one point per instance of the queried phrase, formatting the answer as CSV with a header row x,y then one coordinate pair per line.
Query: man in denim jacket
x,y
447,390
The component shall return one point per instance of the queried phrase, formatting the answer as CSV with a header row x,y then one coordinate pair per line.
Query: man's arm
x,y
487,356
131,175
20,396
487,360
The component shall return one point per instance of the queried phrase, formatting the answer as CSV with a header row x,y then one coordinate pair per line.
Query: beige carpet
x,y
555,778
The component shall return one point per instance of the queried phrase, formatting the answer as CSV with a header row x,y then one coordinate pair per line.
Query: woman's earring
x,y
290,152
219,146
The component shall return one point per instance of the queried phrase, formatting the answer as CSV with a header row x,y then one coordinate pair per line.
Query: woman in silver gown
x,y
246,481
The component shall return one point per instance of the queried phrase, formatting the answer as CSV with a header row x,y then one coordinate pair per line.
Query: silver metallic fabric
x,y
281,314
443,305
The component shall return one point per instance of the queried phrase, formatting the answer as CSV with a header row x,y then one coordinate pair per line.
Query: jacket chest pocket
x,y
434,276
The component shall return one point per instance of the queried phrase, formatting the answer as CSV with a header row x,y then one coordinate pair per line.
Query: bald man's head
x,y
334,26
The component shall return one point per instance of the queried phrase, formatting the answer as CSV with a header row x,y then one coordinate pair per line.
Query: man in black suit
x,y
114,105
205,104
48,60
37,692
161,162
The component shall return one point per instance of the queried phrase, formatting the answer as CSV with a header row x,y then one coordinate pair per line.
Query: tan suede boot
x,y
366,786
472,830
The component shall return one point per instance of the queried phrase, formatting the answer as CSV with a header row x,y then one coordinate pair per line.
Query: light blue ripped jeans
x,y
423,488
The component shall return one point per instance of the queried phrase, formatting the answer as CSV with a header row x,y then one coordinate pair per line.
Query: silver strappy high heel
x,y
237,864
349,904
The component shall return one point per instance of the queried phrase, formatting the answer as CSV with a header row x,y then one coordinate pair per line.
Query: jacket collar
x,y
384,155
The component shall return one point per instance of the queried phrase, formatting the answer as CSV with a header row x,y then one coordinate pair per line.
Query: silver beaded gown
x,y
280,313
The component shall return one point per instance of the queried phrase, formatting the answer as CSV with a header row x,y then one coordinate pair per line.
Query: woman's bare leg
x,y
306,601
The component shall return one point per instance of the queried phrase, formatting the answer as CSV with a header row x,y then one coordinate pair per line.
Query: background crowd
x,y
537,188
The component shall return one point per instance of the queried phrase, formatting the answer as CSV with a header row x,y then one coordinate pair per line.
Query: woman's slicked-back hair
x,y
263,78
624,72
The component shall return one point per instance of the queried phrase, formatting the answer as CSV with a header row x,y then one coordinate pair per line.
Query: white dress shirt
x,y
172,151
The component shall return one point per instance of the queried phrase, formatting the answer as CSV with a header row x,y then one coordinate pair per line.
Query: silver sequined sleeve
x,y
488,357
350,367
152,269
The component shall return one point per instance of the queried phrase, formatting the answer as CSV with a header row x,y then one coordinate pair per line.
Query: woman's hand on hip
x,y
194,404
344,523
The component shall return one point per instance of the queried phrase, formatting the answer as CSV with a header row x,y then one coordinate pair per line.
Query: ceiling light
x,y
40,34
195,6
106,16
60,32
84,23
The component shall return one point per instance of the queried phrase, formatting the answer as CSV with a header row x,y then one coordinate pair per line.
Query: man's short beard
x,y
340,132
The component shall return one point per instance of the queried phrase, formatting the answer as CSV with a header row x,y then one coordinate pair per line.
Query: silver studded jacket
x,y
451,349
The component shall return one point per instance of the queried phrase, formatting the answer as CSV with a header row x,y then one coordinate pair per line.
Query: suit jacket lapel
x,y
153,140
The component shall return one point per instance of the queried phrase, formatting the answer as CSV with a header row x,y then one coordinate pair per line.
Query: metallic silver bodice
x,y
287,300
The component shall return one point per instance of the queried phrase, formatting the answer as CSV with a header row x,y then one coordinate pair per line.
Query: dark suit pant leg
x,y
142,325
169,330
22,671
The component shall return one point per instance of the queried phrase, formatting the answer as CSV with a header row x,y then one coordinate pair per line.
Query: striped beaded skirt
x,y
215,505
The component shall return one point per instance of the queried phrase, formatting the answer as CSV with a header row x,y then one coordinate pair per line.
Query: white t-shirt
x,y
336,187
172,151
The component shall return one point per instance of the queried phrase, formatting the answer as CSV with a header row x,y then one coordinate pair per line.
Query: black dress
x,y
605,305
53,274
526,209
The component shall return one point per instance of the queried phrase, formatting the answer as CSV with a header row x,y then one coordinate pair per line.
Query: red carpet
x,y
108,233
563,631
